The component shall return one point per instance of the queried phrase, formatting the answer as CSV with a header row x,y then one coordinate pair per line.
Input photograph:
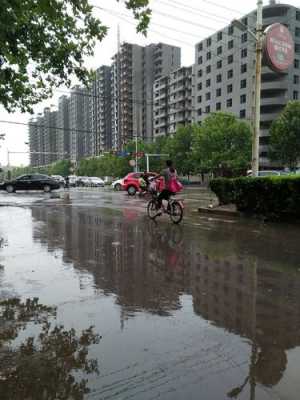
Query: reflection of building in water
x,y
122,257
149,267
256,302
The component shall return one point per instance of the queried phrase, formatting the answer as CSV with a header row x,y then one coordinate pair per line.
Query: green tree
x,y
61,167
222,143
43,44
179,148
285,136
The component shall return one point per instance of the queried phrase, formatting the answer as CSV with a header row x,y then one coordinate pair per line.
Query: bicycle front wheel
x,y
152,209
176,212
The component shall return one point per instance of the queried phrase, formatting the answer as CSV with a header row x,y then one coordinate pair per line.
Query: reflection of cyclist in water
x,y
170,252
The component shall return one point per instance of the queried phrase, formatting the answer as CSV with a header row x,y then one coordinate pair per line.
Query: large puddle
x,y
203,311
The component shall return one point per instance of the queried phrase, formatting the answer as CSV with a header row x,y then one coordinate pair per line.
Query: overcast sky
x,y
176,22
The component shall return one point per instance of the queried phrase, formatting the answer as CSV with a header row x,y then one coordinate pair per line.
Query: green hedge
x,y
224,189
273,197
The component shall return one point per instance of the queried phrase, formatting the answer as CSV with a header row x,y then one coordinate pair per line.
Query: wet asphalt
x,y
209,309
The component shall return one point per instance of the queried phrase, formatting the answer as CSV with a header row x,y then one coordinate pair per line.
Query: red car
x,y
131,182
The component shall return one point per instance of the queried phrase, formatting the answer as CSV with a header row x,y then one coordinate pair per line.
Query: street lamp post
x,y
258,36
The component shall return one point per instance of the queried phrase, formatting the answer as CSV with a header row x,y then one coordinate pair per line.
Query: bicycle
x,y
174,209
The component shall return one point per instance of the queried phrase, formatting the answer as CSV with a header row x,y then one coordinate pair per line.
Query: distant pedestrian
x,y
67,180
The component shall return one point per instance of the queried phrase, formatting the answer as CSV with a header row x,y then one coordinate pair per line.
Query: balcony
x,y
276,100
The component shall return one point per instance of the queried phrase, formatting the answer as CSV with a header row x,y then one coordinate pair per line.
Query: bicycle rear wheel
x,y
152,209
176,212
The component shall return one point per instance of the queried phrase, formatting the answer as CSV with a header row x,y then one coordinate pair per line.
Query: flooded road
x,y
206,310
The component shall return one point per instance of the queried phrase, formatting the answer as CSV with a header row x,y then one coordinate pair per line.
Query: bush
x,y
272,197
224,190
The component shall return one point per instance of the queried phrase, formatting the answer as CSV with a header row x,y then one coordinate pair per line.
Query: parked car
x,y
72,180
83,181
94,181
59,179
31,182
265,173
117,184
131,182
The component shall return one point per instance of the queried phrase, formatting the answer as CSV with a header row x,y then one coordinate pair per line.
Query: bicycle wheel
x,y
152,209
176,212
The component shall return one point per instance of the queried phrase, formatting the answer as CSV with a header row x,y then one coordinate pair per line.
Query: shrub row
x,y
273,197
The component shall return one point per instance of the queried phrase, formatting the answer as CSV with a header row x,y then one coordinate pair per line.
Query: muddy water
x,y
208,310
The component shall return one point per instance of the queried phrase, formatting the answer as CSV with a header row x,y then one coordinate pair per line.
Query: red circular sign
x,y
278,47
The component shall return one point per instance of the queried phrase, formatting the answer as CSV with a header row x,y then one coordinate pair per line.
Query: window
x,y
243,114
243,99
208,69
296,79
296,63
208,42
229,88
243,83
207,96
199,99
200,46
229,103
230,44
200,73
199,87
230,74
245,21
297,32
219,36
207,83
199,111
295,95
297,48
219,92
244,37
218,106
219,64
230,30
207,109
200,60
298,15
219,78
243,68
208,55
219,50
230,59
244,53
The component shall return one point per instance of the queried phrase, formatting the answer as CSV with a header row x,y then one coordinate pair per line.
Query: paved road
x,y
197,311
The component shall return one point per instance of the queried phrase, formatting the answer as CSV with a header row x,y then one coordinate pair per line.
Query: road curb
x,y
218,211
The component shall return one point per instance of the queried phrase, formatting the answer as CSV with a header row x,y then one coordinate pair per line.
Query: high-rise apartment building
x,y
173,101
50,135
134,70
79,123
225,73
101,111
63,132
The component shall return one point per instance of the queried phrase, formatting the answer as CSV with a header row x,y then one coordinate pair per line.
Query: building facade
x,y
79,123
63,132
134,70
173,101
101,111
225,73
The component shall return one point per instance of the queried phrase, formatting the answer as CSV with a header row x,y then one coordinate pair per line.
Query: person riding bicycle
x,y
169,174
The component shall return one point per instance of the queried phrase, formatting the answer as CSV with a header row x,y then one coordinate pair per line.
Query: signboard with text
x,y
278,47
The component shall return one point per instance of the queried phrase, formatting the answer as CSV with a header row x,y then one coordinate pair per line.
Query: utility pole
x,y
136,153
256,122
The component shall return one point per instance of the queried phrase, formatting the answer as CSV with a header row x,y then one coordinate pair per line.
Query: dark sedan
x,y
31,182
